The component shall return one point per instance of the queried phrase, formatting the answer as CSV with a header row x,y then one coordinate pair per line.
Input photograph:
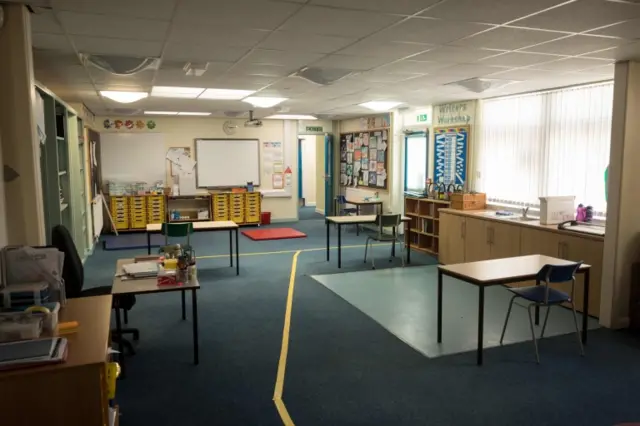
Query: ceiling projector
x,y
252,122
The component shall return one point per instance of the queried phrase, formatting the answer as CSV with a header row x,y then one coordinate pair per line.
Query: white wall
x,y
182,131
308,149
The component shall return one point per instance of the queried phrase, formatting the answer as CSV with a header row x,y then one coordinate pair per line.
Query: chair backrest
x,y
558,273
72,269
177,230
341,199
387,221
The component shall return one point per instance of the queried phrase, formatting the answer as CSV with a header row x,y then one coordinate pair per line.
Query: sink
x,y
522,219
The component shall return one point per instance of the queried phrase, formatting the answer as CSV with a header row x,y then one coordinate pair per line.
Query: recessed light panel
x,y
226,94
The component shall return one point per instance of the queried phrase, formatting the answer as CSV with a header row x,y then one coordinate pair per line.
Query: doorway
x,y
308,173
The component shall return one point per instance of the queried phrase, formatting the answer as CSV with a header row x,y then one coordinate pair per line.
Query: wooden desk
x,y
505,271
362,220
73,393
363,202
148,286
223,225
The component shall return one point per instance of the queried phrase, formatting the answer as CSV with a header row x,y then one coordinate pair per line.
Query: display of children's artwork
x,y
363,159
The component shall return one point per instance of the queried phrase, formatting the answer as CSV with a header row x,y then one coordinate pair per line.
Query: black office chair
x,y
73,275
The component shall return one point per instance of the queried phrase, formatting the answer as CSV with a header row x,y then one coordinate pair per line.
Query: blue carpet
x,y
309,212
343,368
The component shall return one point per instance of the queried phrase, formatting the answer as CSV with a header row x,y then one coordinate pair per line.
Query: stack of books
x,y
32,353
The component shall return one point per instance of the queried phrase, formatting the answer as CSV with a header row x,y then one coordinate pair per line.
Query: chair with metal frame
x,y
341,206
544,295
178,230
383,221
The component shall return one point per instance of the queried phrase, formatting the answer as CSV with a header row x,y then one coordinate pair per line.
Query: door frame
x,y
329,166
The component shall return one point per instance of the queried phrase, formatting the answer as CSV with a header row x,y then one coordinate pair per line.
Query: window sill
x,y
597,220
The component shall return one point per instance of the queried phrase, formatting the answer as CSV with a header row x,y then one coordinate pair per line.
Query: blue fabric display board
x,y
451,155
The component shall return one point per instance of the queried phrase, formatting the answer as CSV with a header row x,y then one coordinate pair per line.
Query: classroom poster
x,y
363,159
451,155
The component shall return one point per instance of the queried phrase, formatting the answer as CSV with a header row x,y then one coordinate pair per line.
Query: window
x,y
415,172
547,143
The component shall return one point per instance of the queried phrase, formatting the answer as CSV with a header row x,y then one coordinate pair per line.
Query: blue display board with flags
x,y
451,147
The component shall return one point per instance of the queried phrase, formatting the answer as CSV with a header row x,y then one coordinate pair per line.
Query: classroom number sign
x,y
451,155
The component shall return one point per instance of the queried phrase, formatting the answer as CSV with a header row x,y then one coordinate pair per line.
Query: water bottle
x,y
589,214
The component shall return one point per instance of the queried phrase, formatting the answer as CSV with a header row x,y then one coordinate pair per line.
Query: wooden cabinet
x,y
504,240
477,246
452,239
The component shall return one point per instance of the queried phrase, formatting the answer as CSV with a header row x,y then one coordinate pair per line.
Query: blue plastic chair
x,y
342,210
543,295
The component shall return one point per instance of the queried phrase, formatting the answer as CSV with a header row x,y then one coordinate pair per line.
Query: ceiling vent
x,y
195,69
120,65
479,85
322,76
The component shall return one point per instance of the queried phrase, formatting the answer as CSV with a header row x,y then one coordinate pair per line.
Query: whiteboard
x,y
133,157
227,162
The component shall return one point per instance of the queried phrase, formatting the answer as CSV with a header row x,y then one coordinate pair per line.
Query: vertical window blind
x,y
543,144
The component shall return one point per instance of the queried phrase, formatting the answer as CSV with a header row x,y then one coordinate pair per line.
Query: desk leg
x,y
148,242
357,214
480,322
231,248
328,249
120,341
339,246
537,309
439,306
393,247
407,231
194,307
184,309
237,254
585,306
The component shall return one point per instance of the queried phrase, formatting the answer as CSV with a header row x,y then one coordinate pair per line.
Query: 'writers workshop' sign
x,y
459,113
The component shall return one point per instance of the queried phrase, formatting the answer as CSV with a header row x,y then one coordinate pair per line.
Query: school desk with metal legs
x,y
505,271
147,286
223,225
363,202
362,220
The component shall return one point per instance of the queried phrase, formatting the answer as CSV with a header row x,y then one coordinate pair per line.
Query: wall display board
x,y
451,147
227,162
364,159
128,157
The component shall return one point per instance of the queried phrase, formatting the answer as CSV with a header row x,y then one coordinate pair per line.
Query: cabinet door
x,y
590,252
476,240
505,240
538,241
452,241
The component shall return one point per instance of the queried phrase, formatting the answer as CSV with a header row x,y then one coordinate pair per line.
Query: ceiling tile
x,y
277,57
51,42
620,53
519,59
265,15
628,29
506,38
323,20
409,66
454,54
148,9
202,52
378,76
304,41
385,49
488,11
247,68
524,74
431,31
45,22
109,46
576,45
350,62
571,64
104,26
225,36
232,81
178,78
403,7
581,16
103,77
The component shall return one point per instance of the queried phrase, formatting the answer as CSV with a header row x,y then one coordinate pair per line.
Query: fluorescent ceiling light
x,y
161,113
291,117
380,105
261,102
123,97
194,113
228,94
176,92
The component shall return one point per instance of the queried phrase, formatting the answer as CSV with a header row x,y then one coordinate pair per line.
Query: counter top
x,y
491,215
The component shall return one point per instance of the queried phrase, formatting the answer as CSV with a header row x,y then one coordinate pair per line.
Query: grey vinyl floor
x,y
403,301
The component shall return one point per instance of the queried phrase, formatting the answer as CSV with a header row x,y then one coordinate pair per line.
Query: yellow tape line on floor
x,y
263,253
284,350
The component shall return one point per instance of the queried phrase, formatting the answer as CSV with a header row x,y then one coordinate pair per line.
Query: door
x,y
505,240
328,175
590,252
536,241
452,239
300,181
477,240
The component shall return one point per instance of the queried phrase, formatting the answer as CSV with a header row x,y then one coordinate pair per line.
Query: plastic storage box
x,y
554,210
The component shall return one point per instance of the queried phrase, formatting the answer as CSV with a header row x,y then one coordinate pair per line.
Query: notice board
x,y
364,159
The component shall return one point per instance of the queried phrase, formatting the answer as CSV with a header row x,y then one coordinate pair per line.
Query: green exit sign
x,y
421,118
314,129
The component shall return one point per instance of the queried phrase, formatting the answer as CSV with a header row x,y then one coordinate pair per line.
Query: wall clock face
x,y
229,127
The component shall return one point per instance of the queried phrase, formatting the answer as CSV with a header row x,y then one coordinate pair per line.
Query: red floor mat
x,y
273,234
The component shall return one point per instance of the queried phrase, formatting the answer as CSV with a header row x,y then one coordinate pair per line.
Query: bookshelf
x,y
425,223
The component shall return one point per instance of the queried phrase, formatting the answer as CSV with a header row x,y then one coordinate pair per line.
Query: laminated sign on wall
x,y
451,155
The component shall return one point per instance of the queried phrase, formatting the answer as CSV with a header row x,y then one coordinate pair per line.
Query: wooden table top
x,y
144,285
370,218
492,272
200,226
363,202
88,345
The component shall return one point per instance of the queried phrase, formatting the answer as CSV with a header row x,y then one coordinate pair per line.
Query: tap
x,y
525,210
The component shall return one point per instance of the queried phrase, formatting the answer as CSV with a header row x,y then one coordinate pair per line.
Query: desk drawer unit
x,y
237,206
220,206
252,209
120,211
155,209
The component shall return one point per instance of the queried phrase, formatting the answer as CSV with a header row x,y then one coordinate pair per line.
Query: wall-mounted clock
x,y
229,127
